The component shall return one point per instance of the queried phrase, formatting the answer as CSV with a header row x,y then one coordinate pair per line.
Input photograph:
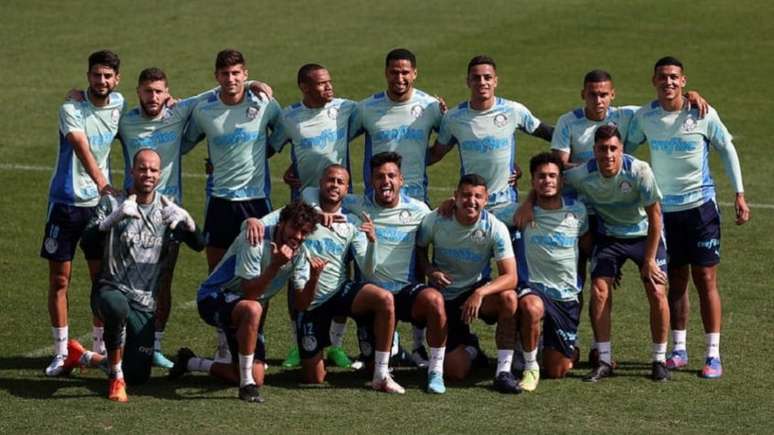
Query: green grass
x,y
542,48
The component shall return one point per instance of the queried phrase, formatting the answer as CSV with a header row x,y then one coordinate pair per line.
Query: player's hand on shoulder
x,y
446,208
108,190
262,90
253,231
75,94
695,100
523,216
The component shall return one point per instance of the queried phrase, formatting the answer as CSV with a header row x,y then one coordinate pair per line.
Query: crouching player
x,y
138,230
233,297
551,290
463,247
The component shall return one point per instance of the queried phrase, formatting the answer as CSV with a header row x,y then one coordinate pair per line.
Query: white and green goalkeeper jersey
x,y
464,252
319,137
70,183
487,143
237,141
163,134
551,249
680,143
243,262
402,127
574,132
619,201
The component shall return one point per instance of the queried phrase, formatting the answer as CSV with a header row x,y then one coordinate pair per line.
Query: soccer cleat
x,y
677,360
250,393
181,364
435,383
659,372
388,385
506,383
601,371
712,369
56,366
594,359
529,379
117,390
293,359
74,353
420,358
159,360
339,358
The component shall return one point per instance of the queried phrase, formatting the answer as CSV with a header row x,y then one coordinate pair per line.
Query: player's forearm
x,y
654,231
543,131
423,267
89,163
367,262
498,285
303,299
437,152
732,167
254,288
194,239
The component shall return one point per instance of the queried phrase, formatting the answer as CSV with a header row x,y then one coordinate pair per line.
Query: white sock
x,y
157,337
61,335
504,360
86,358
381,365
658,351
713,344
97,343
337,333
678,339
436,359
419,337
605,352
530,359
246,370
395,343
116,372
196,364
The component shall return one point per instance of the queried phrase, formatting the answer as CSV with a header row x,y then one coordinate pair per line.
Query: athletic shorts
x,y
560,322
64,227
610,253
216,311
404,303
313,326
693,236
224,217
127,325
458,331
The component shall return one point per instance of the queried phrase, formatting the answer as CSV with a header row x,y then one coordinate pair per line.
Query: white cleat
x,y
56,367
388,385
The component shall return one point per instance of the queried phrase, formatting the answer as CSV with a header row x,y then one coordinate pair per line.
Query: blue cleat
x,y
159,360
712,369
677,360
435,383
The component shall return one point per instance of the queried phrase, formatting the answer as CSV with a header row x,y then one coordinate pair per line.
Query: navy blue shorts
x,y
64,227
693,236
224,218
458,331
404,302
560,322
610,253
216,311
313,326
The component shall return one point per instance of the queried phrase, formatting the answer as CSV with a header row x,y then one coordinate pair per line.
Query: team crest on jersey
x,y
417,111
252,112
500,120
156,217
342,229
309,342
625,186
689,124
570,219
115,115
333,113
478,236
51,245
404,217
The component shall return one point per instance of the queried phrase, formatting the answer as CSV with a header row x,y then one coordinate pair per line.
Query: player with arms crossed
x,y
551,293
233,297
86,130
680,142
463,247
136,230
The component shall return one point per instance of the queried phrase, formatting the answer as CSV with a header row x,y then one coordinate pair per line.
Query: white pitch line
x,y
18,167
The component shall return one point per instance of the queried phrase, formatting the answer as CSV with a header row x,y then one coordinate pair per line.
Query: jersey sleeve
x,y
70,119
270,219
445,135
274,114
526,120
355,122
192,135
721,140
248,260
279,136
435,107
301,269
425,232
501,247
560,140
362,250
635,136
649,192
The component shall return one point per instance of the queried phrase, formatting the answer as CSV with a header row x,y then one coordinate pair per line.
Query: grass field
x,y
542,48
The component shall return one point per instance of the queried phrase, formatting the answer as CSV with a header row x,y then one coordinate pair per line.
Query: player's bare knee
x,y
508,301
530,308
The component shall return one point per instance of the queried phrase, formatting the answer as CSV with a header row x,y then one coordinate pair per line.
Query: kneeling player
x,y
233,296
551,289
138,230
463,247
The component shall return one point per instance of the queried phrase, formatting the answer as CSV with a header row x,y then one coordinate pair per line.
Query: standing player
x,y
137,231
237,125
401,120
463,247
233,296
86,130
551,293
397,217
319,131
679,148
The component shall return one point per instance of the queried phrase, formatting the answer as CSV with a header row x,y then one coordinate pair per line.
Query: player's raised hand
x,y
253,231
439,279
471,306
291,179
742,210
281,255
174,215
129,207
446,208
368,227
